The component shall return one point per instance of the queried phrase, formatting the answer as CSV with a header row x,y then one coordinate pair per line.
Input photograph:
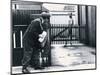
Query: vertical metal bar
x,y
51,33
54,33
14,41
57,32
73,32
63,35
60,31
66,34
21,39
75,29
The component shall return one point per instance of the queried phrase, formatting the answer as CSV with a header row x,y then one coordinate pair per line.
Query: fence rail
x,y
18,31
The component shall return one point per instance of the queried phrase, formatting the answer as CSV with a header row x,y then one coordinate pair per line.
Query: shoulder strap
x,y
41,25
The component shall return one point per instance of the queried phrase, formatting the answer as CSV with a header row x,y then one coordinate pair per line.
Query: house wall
x,y
82,22
92,25
62,17
87,18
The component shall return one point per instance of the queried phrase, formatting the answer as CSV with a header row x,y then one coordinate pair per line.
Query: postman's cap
x,y
44,14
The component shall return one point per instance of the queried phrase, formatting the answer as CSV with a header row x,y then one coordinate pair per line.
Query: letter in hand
x,y
42,36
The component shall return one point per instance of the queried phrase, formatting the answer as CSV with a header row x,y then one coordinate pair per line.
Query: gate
x,y
60,34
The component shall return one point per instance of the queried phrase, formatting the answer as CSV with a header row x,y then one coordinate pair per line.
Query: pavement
x,y
66,58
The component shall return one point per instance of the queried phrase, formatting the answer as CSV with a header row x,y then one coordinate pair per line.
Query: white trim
x,y
14,40
21,34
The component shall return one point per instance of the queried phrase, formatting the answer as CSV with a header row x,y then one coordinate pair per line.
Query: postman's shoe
x,y
25,71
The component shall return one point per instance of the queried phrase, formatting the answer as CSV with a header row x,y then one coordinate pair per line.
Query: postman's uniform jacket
x,y
30,42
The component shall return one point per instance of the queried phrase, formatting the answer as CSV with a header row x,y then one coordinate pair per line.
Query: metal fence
x,y
22,17
60,34
20,21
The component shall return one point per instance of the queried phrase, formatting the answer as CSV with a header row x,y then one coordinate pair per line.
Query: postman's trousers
x,y
28,53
